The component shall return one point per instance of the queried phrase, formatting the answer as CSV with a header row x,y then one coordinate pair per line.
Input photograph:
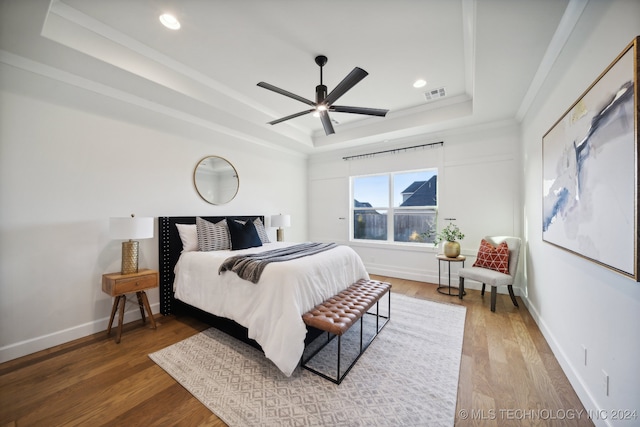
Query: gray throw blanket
x,y
250,266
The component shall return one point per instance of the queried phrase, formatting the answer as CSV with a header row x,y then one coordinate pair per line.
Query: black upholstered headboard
x,y
170,246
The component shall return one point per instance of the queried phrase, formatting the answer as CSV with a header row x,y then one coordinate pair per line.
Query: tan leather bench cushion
x,y
338,313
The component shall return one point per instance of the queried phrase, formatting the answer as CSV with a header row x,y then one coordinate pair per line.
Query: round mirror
x,y
216,180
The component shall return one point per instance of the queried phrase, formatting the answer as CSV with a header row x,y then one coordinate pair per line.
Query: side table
x,y
119,285
446,290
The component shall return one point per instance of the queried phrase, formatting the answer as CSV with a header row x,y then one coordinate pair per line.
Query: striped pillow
x,y
212,237
261,230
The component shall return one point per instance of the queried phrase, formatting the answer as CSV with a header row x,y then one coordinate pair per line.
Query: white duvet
x,y
272,309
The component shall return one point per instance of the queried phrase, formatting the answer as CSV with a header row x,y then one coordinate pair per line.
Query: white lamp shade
x,y
280,220
131,228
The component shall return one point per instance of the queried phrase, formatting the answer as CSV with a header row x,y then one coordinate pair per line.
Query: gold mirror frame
x,y
216,180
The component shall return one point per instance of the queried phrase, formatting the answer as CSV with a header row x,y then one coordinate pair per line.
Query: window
x,y
395,207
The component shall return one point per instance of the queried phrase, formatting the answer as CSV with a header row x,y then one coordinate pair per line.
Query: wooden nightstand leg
x,y
139,295
113,314
148,307
123,299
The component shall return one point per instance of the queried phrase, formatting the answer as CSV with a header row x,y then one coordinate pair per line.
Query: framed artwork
x,y
590,170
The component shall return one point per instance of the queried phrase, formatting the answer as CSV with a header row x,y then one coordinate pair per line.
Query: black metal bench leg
x,y
361,333
339,348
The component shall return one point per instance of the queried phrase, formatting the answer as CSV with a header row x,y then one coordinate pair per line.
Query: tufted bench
x,y
338,313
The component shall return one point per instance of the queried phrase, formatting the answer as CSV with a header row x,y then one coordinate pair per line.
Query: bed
x,y
267,314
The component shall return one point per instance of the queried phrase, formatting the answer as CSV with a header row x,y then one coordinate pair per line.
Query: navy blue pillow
x,y
243,236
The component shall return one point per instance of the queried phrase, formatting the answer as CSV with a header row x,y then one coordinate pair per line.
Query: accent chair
x,y
486,269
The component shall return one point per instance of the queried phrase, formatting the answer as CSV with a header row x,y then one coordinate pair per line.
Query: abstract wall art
x,y
590,170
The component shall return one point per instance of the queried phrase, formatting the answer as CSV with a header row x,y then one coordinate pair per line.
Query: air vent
x,y
435,94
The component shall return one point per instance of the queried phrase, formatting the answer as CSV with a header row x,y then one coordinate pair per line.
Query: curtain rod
x,y
393,151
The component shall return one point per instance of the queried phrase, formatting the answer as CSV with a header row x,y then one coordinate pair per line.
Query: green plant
x,y
450,233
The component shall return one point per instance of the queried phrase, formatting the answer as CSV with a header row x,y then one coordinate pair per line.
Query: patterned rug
x,y
407,377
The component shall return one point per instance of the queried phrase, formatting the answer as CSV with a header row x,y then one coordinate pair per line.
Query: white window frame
x,y
390,210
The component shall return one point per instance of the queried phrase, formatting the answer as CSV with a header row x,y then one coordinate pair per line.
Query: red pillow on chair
x,y
493,258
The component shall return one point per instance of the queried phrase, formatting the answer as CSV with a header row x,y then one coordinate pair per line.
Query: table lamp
x,y
280,221
130,228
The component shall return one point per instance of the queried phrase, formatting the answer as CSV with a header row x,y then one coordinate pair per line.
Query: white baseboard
x,y
401,273
429,276
569,369
23,348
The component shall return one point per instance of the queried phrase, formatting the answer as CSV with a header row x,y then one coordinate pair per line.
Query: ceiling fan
x,y
324,102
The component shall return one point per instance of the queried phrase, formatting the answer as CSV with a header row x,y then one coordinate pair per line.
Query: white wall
x,y
478,185
69,160
576,302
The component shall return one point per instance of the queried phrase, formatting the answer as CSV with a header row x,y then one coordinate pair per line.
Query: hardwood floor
x,y
508,375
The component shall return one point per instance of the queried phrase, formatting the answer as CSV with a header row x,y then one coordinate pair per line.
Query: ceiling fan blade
x,y
292,116
359,110
326,122
347,83
286,93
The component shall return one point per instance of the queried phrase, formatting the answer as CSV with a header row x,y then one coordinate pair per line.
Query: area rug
x,y
407,377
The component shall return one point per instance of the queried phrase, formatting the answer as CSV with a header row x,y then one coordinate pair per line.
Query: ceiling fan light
x,y
169,21
419,83
324,102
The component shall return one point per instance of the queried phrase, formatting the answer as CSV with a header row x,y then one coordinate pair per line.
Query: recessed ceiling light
x,y
419,83
170,21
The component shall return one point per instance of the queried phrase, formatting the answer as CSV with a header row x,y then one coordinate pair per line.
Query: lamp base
x,y
280,234
129,257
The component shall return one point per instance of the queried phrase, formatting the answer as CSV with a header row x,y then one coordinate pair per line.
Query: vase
x,y
451,249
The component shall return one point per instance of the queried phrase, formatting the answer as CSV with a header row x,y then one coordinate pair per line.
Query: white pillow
x,y
189,236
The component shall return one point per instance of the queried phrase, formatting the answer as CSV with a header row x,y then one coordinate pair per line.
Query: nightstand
x,y
119,285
